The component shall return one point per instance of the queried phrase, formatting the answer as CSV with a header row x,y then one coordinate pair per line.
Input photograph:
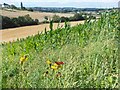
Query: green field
x,y
89,53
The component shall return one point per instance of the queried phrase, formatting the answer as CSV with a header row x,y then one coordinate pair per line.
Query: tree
x,y
30,9
22,7
63,19
36,21
56,18
13,7
77,17
46,18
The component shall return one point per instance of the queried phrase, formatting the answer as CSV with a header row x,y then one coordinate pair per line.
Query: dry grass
x,y
35,15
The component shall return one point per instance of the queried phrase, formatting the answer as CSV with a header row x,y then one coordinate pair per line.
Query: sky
x,y
65,3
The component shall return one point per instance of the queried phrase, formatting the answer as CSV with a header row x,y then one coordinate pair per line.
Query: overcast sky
x,y
65,3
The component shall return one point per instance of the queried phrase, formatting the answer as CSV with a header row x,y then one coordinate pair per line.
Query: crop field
x,y
23,32
82,56
35,15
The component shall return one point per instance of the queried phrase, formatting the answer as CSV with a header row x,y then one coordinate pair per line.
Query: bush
x,y
63,19
30,9
7,23
17,22
77,17
56,18
13,7
46,18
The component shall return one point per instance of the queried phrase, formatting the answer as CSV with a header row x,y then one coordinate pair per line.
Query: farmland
x,y
88,53
35,15
23,32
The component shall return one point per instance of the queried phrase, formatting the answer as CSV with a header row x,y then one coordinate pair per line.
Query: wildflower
x,y
59,63
54,67
48,62
23,59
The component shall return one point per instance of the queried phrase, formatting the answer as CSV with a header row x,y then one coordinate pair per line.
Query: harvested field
x,y
35,15
22,32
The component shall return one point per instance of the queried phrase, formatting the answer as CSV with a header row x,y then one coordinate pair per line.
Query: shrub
x,y
56,18
63,19
30,9
13,7
7,22
77,17
46,18
17,22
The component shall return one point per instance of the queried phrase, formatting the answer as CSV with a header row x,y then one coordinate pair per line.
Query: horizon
x,y
66,3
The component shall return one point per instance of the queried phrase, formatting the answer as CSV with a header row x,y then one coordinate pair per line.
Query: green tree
x,y
13,7
46,18
30,9
21,4
56,18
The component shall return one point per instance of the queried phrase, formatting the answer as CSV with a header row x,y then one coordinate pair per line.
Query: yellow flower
x,y
48,62
54,68
23,59
56,65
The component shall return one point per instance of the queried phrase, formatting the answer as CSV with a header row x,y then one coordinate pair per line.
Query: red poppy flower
x,y
59,63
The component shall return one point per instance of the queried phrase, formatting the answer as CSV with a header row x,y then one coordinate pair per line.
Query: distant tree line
x,y
17,22
65,9
10,6
17,8
76,17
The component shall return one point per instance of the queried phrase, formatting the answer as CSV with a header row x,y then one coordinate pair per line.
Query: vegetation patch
x,y
83,56
17,22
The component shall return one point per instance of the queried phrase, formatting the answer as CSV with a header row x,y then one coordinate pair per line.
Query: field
x,y
35,15
23,32
87,55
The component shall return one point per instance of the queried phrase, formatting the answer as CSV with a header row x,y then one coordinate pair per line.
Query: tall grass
x,y
89,53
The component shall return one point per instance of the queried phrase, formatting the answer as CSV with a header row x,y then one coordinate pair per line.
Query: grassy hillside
x,y
89,53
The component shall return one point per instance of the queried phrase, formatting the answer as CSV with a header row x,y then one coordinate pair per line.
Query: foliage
x,y
51,25
89,52
30,9
56,18
22,7
17,22
46,18
76,17
13,7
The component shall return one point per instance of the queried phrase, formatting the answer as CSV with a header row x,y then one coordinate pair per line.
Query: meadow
x,y
87,56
